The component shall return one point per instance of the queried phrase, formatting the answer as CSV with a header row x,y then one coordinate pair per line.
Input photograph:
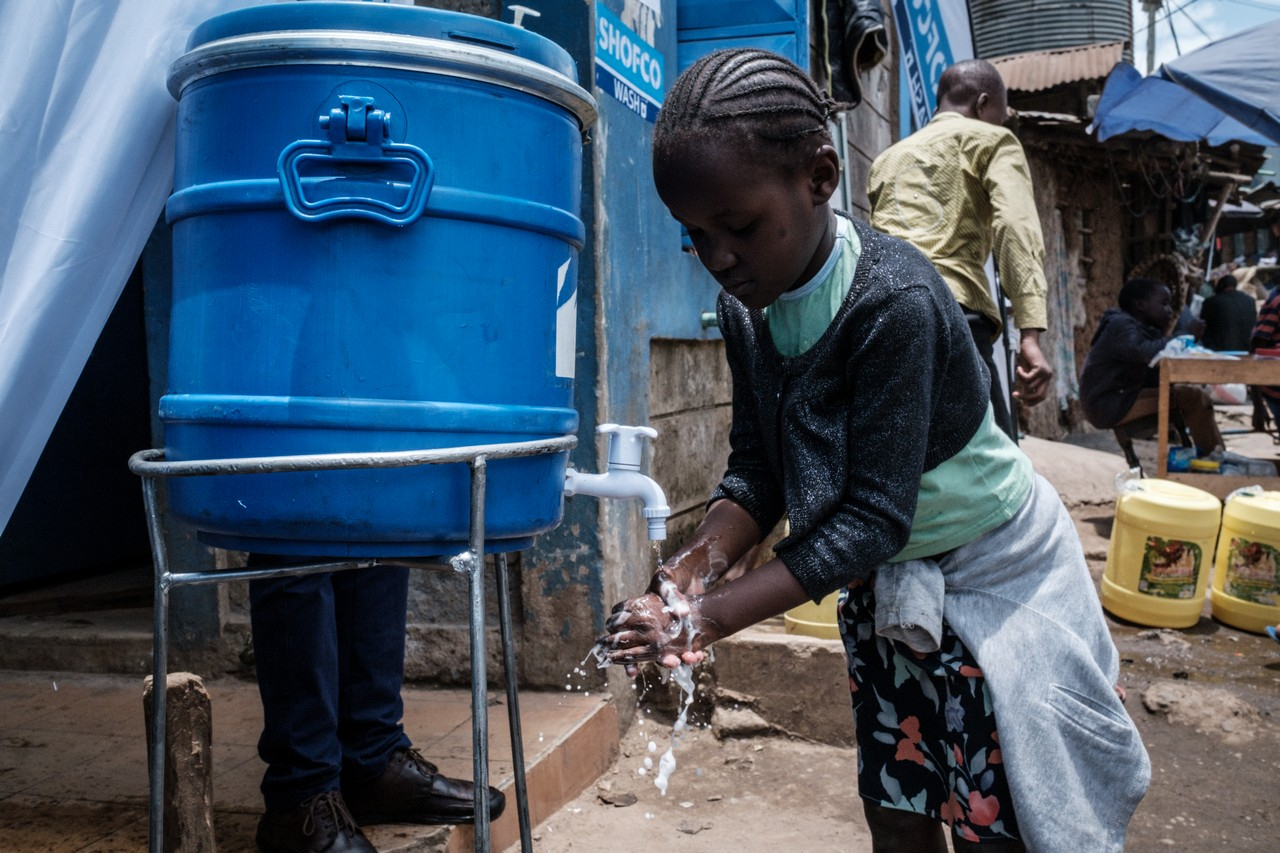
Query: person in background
x,y
1189,322
1266,335
1228,317
329,653
957,189
1118,383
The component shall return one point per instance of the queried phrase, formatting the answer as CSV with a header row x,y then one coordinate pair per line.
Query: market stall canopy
x,y
1237,218
1223,92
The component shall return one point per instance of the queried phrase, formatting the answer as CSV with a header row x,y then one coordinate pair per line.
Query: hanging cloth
x,y
856,41
86,162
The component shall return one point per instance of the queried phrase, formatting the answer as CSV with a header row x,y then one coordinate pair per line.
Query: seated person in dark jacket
x,y
1118,385
1228,317
1266,335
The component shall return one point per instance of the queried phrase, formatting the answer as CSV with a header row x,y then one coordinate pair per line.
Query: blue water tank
x,y
375,232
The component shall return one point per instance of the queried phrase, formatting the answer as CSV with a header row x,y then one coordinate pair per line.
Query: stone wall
x,y
1086,229
689,399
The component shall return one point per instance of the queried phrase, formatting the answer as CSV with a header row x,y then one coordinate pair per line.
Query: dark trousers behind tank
x,y
329,651
984,334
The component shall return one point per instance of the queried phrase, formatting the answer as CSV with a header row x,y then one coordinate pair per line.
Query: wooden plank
x,y
690,453
1162,423
1217,371
686,375
1213,371
188,765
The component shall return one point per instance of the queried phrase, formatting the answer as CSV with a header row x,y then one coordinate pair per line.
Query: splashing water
x,y
577,679
678,607
683,676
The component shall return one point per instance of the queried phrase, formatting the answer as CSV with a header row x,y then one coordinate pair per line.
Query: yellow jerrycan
x,y
1246,573
1161,550
814,620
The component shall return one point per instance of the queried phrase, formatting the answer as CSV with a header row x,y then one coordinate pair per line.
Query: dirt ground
x,y
1206,700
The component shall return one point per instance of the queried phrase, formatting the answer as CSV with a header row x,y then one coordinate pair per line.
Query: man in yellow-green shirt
x,y
958,189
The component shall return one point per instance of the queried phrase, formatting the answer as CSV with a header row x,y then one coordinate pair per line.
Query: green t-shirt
x,y
800,316
973,492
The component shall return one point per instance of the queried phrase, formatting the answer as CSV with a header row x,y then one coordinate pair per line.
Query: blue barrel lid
x,y
383,34
387,18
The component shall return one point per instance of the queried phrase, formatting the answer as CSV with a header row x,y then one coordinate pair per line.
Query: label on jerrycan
x,y
1251,572
1170,568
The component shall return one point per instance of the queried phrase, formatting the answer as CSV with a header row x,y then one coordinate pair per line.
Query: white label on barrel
x,y
566,321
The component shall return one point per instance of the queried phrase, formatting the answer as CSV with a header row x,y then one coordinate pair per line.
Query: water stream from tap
x,y
683,676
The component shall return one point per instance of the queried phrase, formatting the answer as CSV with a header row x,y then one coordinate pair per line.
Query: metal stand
x,y
149,465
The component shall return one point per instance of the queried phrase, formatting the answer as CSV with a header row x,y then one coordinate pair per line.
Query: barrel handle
x,y
358,172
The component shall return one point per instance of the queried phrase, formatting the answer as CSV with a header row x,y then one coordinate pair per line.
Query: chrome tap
x,y
623,478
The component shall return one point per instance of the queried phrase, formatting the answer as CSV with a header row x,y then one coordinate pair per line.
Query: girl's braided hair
x,y
750,96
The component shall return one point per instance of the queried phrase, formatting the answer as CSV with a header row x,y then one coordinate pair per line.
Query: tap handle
x,y
626,444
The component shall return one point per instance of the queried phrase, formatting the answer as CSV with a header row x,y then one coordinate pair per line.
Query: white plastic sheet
x,y
86,163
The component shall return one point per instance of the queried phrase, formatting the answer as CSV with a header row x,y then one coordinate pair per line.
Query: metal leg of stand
x,y
159,672
513,703
479,676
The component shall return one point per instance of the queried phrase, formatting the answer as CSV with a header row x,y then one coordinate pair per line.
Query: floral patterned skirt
x,y
926,733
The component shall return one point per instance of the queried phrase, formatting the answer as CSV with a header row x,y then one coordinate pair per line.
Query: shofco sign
x,y
627,67
933,35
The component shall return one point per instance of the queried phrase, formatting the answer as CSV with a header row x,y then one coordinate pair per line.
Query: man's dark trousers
x,y
329,651
984,335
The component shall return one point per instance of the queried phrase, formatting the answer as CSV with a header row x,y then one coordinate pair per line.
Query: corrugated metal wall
x,y
1004,27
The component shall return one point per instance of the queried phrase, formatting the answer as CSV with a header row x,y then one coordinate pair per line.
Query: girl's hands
x,y
667,624
688,573
663,625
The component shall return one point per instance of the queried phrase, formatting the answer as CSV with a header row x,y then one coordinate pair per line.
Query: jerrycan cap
x,y
1253,505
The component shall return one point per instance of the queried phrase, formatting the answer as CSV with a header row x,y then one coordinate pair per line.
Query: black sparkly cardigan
x,y
839,436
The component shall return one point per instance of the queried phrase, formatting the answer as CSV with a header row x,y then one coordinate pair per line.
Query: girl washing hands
x,y
860,411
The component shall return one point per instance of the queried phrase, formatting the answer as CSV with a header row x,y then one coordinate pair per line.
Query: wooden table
x,y
1210,371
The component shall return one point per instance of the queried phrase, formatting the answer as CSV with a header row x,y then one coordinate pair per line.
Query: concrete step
x,y
797,685
73,772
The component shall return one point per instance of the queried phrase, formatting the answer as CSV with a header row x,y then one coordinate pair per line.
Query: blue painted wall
x,y
637,283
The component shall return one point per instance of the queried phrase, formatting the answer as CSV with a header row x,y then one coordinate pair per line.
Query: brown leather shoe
x,y
412,790
321,824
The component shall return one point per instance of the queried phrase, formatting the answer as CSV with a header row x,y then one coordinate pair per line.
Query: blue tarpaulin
x,y
86,162
1225,91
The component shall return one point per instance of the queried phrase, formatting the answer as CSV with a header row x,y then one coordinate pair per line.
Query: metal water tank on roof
x,y
1005,27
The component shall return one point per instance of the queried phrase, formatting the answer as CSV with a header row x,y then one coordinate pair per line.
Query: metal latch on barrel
x,y
358,172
